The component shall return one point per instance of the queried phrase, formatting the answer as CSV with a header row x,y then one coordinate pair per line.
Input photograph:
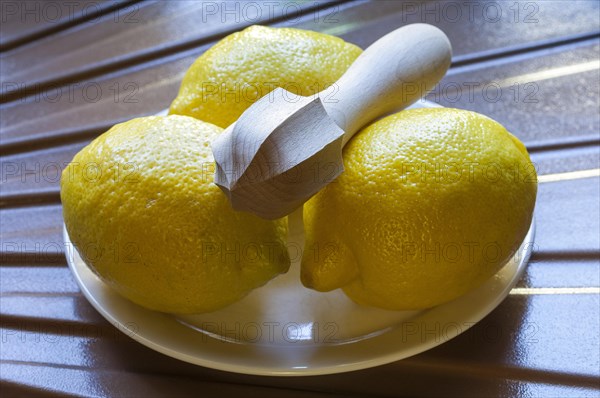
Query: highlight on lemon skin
x,y
140,205
244,66
432,203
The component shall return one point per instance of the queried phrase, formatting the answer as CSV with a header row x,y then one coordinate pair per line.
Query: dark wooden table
x,y
71,70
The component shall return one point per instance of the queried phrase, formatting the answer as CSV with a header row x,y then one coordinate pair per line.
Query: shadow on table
x,y
487,359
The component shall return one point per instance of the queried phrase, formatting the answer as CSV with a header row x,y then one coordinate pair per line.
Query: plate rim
x,y
483,308
100,301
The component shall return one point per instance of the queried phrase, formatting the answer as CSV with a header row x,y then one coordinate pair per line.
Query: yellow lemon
x,y
140,205
432,203
245,66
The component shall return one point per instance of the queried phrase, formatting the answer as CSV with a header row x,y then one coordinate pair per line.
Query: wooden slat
x,y
51,280
32,235
44,311
26,379
23,177
512,346
568,214
26,20
539,96
168,27
89,109
147,31
549,272
476,29
148,91
565,159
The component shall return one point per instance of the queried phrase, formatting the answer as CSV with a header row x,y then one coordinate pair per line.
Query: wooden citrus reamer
x,y
285,148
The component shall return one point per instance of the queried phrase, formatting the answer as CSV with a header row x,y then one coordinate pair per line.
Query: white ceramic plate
x,y
284,329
